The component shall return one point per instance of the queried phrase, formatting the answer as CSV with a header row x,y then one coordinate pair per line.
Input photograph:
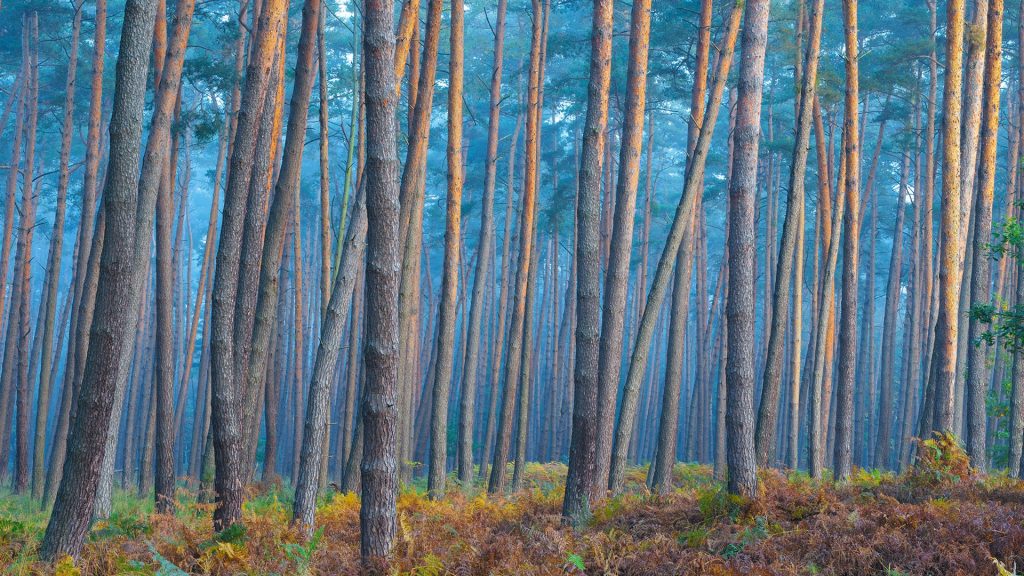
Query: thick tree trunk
x,y
379,420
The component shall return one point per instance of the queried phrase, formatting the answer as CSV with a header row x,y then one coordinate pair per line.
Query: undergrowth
x,y
937,518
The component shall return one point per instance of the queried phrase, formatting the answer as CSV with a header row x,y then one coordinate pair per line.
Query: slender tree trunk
x,y
851,252
944,379
683,213
519,320
611,450
469,384
22,282
788,253
53,265
450,282
324,369
981,277
886,383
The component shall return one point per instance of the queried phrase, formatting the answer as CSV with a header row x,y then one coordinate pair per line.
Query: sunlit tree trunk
x,y
944,353
450,281
611,450
513,360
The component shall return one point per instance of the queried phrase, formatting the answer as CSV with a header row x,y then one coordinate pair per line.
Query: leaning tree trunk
x,y
519,320
328,349
683,213
226,423
116,293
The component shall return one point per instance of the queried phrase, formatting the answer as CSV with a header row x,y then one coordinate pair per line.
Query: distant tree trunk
x,y
22,282
53,263
519,320
128,205
739,412
944,353
791,229
411,233
378,517
450,281
480,275
611,450
886,383
980,279
851,252
683,213
498,346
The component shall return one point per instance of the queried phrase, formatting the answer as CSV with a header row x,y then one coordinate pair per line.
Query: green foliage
x,y
941,461
717,504
302,554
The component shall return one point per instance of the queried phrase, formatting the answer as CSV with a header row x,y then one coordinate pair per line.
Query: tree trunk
x,y
480,275
611,449
519,320
851,252
944,353
739,412
683,213
117,290
450,270
379,415
886,383
977,358
53,265
791,228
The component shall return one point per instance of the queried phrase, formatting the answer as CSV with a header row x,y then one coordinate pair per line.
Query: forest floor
x,y
932,520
